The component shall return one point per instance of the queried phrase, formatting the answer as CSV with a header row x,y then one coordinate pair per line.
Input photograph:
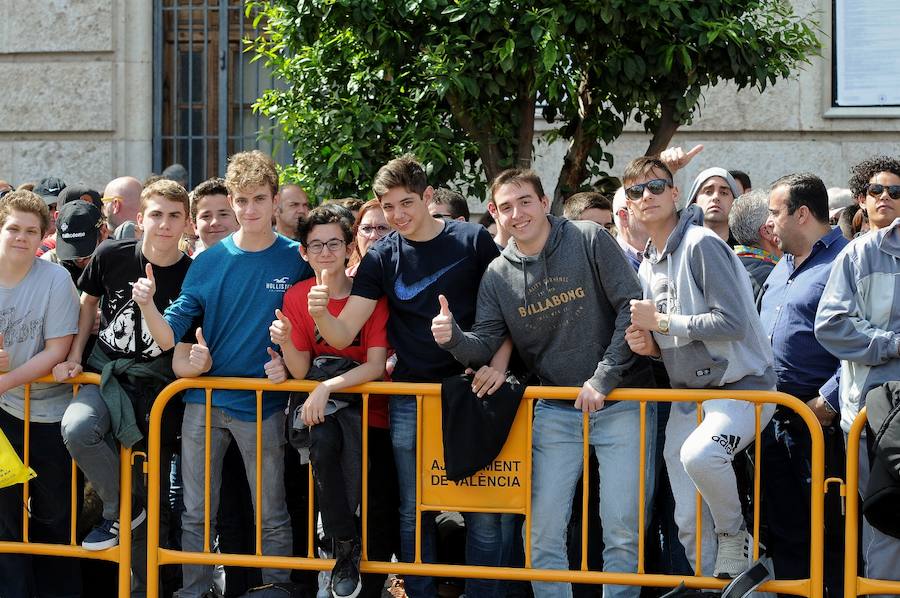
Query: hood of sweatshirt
x,y
522,262
691,215
705,176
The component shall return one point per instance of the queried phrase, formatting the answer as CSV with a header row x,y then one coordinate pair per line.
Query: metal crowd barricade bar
x,y
120,554
424,394
856,584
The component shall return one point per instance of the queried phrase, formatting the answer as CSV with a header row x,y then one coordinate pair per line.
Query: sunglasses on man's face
x,y
655,186
875,190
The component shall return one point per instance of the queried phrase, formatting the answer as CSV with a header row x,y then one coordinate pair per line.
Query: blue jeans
x,y
614,434
484,542
86,431
276,524
484,546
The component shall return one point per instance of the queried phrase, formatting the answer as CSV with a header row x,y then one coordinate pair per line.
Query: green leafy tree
x,y
458,82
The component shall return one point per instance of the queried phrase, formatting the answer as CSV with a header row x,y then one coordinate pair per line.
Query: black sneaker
x,y
345,580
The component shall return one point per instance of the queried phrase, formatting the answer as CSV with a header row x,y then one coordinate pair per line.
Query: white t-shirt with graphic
x,y
42,306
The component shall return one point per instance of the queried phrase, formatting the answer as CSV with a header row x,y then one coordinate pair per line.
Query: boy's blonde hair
x,y
28,202
169,190
251,169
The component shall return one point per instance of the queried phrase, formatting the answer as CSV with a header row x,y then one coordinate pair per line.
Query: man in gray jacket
x,y
698,315
858,321
561,291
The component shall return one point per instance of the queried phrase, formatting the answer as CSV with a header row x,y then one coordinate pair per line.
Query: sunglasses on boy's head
x,y
875,190
655,186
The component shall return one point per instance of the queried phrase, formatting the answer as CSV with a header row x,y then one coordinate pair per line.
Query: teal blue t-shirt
x,y
237,292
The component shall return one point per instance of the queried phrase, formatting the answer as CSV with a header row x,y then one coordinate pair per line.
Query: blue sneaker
x,y
106,534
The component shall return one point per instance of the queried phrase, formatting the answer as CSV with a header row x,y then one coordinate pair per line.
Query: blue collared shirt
x,y
788,303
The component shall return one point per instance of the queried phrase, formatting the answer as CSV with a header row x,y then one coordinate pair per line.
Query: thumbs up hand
x,y
200,357
280,330
442,324
274,368
317,300
4,357
143,290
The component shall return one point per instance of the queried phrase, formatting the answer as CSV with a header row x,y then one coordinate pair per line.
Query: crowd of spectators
x,y
790,287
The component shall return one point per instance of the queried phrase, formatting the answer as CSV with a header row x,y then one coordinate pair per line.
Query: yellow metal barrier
x,y
120,554
427,397
854,583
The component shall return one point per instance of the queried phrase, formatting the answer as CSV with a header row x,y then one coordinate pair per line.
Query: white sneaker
x,y
733,556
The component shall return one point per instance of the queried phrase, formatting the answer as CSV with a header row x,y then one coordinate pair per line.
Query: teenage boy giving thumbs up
x,y
235,285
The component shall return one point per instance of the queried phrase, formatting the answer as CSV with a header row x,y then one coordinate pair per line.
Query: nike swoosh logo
x,y
406,292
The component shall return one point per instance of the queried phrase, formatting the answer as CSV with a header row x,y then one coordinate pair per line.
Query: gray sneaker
x,y
345,579
733,556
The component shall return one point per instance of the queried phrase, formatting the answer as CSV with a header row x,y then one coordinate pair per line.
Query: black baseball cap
x,y
49,188
77,229
79,192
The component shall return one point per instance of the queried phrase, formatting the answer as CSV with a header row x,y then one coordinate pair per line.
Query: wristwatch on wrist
x,y
663,325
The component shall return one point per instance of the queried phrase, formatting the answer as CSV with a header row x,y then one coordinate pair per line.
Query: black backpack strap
x,y
749,580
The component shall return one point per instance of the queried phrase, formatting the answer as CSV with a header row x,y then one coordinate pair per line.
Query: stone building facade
x,y
77,89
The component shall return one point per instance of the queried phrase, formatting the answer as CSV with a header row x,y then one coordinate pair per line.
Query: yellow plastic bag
x,y
12,470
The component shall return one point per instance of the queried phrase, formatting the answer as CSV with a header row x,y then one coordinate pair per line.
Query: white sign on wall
x,y
867,52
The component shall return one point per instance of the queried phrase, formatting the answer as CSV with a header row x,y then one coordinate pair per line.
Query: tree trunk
x,y
487,148
665,130
574,168
527,101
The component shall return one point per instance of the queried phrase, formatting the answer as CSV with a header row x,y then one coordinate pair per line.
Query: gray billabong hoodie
x,y
566,310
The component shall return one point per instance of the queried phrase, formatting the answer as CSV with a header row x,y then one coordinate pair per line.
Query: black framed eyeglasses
x,y
654,186
333,245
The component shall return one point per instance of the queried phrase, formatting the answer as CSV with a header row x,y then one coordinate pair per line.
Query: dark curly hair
x,y
326,214
862,173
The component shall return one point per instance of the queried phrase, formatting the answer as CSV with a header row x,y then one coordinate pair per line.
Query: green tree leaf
x,y
455,81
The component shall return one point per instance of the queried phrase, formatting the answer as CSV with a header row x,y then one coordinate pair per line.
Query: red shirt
x,y
47,244
306,337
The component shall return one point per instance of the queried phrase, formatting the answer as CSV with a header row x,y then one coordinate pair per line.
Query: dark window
x,y
204,86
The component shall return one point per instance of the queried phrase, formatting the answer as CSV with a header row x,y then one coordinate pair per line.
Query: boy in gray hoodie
x,y
698,315
561,291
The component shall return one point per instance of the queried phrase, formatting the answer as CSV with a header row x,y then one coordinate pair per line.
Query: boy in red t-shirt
x,y
335,437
